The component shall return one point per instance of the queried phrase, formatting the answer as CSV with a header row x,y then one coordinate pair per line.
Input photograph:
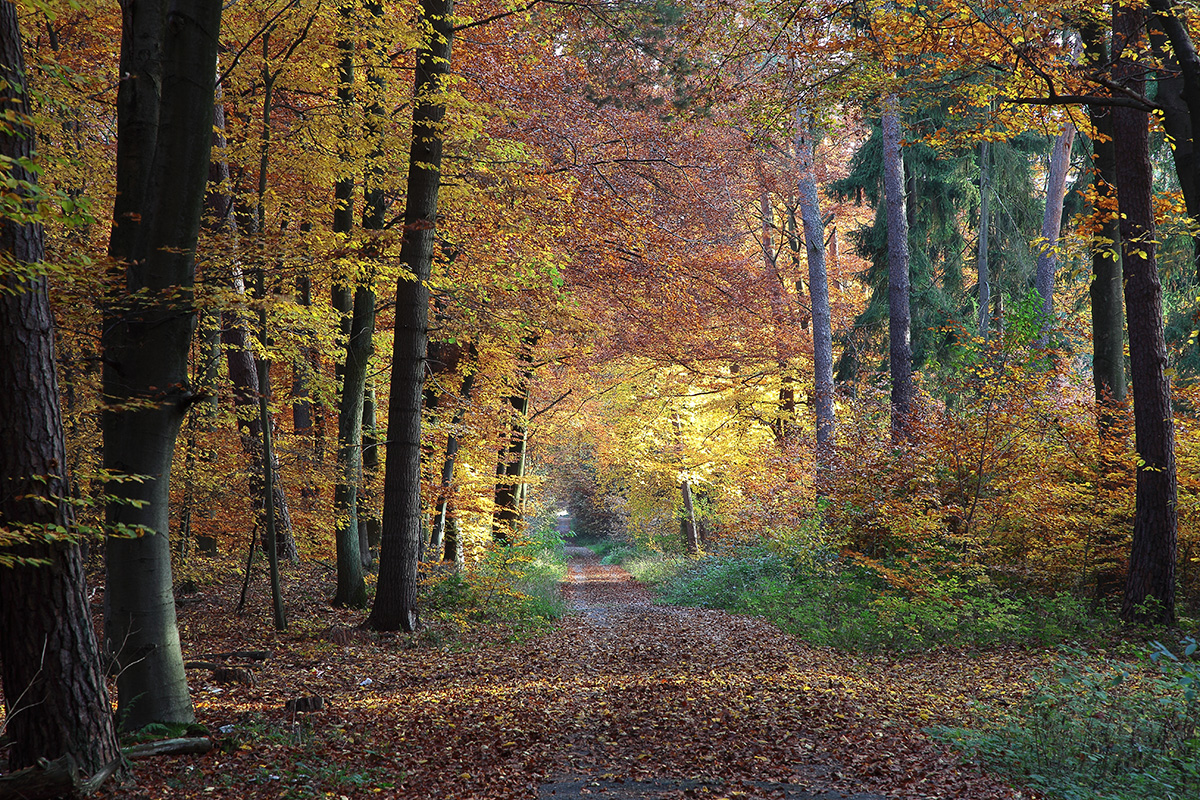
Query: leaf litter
x,y
620,699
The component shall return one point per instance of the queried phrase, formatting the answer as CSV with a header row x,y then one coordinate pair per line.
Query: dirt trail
x,y
681,702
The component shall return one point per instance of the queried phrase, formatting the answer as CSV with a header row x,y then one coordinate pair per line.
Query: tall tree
x,y
899,314
351,583
1056,192
164,135
56,702
1108,317
1151,574
400,549
818,286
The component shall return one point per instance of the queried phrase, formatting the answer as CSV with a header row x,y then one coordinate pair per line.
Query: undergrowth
x,y
806,588
1096,728
517,583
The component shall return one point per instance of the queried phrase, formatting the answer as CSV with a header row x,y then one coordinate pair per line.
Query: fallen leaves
x,y
629,695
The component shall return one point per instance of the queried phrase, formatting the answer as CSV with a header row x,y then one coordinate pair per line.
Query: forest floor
x,y
622,699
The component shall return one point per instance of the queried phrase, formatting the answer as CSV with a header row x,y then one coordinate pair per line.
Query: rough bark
x,y
899,312
400,550
164,134
55,699
1056,192
1108,317
1152,557
1179,96
818,287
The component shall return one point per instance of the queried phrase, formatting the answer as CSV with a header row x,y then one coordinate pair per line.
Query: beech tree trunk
x,y
164,135
55,699
351,583
1056,192
1152,558
818,287
400,549
899,312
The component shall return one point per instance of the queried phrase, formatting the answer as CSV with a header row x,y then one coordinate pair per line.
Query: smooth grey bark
x,y
351,585
1151,575
55,697
351,582
818,287
1056,192
985,223
267,460
899,312
164,134
395,604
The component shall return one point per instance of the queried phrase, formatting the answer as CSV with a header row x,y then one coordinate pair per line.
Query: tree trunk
x,y
687,524
164,135
985,220
1152,558
510,471
55,698
351,586
450,550
1108,318
400,550
899,313
239,358
1056,193
1180,123
818,287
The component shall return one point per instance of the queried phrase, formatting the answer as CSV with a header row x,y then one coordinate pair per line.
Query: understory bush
x,y
1095,728
827,599
517,582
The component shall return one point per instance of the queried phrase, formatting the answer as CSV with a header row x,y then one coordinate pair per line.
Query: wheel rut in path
x,y
669,702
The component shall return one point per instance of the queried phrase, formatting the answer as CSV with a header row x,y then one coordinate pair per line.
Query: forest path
x,y
683,702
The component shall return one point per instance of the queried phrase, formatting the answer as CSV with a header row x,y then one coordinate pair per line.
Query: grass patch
x,y
1099,728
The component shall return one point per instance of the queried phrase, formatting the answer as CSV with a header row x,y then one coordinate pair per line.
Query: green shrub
x,y
807,589
516,582
1100,728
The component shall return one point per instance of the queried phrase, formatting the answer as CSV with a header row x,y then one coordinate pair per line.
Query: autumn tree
x,y
164,135
395,604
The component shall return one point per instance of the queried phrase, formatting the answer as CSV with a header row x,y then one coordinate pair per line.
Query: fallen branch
x,y
169,747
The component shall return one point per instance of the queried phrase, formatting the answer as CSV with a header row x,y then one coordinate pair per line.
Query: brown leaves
x,y
622,699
